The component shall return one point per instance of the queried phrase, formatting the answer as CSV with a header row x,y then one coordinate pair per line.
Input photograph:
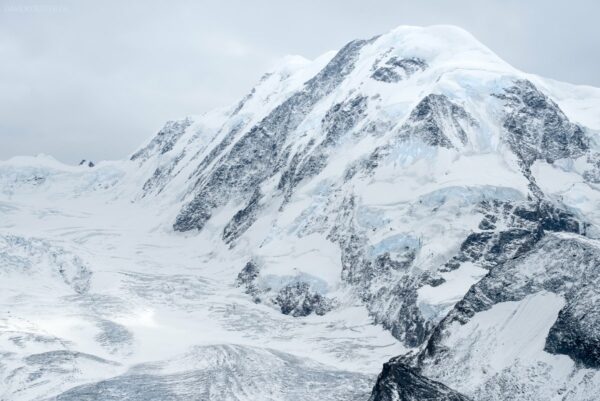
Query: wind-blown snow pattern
x,y
411,202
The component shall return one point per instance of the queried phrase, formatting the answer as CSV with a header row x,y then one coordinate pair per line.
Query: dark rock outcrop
x,y
242,220
576,332
399,382
537,128
435,119
298,299
397,69
247,279
524,226
164,141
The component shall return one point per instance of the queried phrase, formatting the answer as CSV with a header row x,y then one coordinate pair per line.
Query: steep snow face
x,y
410,195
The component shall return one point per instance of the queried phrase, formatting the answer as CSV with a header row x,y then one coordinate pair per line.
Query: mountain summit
x,y
411,197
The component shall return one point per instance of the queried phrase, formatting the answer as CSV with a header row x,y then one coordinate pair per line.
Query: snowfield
x,y
94,290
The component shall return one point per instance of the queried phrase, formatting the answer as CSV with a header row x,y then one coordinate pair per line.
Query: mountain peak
x,y
410,194
442,46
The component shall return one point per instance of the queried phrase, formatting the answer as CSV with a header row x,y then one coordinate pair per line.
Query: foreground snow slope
x,y
411,195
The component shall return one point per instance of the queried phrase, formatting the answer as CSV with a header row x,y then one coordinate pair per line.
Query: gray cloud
x,y
82,79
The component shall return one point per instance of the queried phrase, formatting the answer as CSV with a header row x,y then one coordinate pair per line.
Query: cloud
x,y
95,79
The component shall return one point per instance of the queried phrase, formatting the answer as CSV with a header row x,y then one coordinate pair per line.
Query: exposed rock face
x,y
161,176
309,162
523,225
509,281
537,128
386,284
399,382
298,299
396,69
341,118
247,278
435,120
562,264
243,219
164,140
576,332
256,156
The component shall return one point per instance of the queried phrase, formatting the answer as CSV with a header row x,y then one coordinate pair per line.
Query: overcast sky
x,y
95,79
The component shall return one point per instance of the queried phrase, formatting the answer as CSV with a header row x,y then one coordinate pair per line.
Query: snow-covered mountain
x,y
411,197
